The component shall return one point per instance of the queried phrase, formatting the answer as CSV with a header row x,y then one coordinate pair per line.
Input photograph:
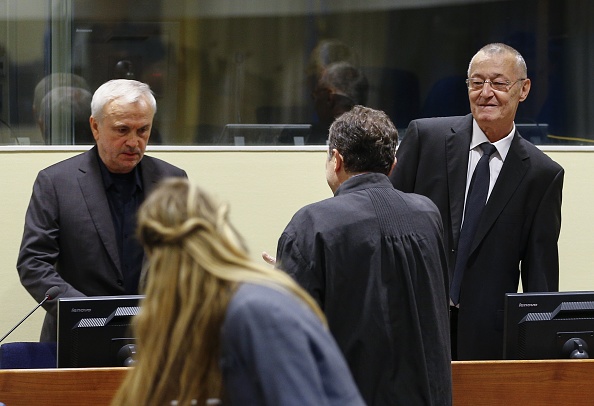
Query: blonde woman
x,y
217,328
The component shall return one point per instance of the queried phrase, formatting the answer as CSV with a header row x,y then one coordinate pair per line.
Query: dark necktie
x,y
475,203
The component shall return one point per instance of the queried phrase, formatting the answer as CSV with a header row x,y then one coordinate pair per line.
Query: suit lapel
x,y
93,191
150,174
457,147
512,172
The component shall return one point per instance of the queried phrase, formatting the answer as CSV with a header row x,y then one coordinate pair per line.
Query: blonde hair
x,y
196,261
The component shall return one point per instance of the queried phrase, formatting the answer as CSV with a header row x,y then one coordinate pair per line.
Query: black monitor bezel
x,y
518,305
261,134
70,310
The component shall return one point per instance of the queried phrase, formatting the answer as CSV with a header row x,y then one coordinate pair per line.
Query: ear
x,y
393,166
338,161
94,127
525,89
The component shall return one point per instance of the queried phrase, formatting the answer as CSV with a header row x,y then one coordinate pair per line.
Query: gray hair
x,y
52,81
499,48
346,80
66,100
130,91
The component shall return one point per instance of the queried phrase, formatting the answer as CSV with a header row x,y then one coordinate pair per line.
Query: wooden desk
x,y
539,383
477,383
55,387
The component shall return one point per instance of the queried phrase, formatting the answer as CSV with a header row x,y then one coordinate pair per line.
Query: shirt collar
x,y
108,176
503,145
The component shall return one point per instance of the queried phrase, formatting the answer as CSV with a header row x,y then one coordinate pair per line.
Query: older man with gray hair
x,y
80,225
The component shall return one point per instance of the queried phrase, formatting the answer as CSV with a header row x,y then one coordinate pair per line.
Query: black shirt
x,y
125,194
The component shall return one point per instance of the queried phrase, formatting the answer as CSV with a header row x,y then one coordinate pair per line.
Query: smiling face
x,y
495,110
122,134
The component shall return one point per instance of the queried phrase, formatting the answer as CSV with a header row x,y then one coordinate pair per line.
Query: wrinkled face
x,y
122,134
495,110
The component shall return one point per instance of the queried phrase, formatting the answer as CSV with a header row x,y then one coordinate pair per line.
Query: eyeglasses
x,y
499,85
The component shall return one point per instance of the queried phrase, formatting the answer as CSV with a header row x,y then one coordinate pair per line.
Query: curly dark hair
x,y
366,139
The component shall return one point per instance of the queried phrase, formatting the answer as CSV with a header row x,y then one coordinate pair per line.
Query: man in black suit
x,y
373,259
517,232
80,224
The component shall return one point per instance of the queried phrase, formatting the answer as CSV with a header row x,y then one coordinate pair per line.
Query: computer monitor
x,y
96,331
548,325
536,133
264,134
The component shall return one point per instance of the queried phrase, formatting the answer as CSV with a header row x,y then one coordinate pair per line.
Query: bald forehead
x,y
500,56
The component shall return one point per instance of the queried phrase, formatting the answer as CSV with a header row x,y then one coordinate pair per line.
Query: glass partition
x,y
236,72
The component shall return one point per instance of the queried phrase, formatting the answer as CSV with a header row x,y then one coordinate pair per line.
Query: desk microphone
x,y
49,295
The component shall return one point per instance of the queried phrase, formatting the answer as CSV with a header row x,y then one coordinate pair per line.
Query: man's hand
x,y
268,258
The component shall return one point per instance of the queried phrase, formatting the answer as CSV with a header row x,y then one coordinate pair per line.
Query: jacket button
x,y
120,282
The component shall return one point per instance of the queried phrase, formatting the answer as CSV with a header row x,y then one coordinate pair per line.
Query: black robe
x,y
373,258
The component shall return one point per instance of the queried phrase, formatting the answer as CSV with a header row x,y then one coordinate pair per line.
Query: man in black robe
x,y
373,258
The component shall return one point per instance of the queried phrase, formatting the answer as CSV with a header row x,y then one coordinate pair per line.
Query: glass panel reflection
x,y
252,66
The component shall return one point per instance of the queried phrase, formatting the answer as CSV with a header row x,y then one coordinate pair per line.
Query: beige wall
x,y
264,189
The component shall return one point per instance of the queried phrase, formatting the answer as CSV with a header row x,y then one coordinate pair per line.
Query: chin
x,y
487,117
126,167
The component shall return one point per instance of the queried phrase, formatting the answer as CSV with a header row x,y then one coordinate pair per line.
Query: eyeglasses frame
x,y
508,84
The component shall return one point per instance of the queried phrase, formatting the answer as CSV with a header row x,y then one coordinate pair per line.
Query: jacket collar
x,y
363,181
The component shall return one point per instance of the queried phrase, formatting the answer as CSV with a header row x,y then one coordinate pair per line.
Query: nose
x,y
132,141
487,89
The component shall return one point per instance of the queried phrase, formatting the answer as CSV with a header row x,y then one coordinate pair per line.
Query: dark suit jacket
x,y
69,238
518,230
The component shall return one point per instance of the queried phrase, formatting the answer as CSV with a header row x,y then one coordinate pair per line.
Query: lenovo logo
x,y
527,305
